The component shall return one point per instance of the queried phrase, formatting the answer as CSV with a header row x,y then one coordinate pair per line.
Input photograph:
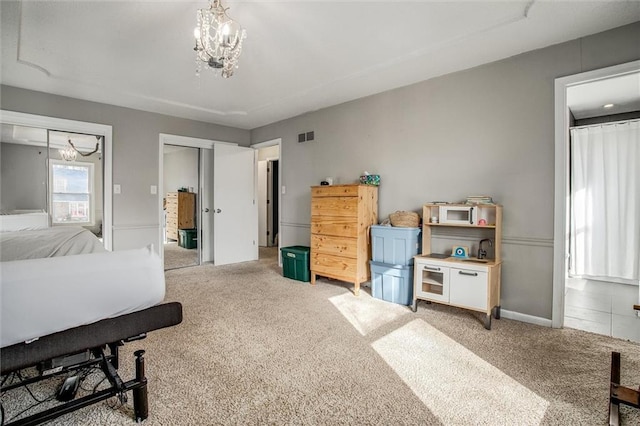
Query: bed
x,y
48,242
19,220
71,307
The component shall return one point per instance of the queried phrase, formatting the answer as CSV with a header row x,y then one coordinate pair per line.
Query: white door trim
x,y
52,123
168,139
561,186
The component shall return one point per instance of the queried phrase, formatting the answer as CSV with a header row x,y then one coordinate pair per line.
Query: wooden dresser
x,y
340,242
180,208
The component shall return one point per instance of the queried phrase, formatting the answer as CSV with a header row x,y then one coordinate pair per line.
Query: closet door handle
x,y
218,211
471,274
206,210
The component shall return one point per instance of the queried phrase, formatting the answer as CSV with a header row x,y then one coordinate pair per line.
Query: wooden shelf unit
x,y
491,213
466,283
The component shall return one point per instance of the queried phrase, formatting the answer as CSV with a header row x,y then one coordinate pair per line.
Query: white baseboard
x,y
525,318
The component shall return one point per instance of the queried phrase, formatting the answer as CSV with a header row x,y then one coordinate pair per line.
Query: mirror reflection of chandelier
x,y
68,153
218,40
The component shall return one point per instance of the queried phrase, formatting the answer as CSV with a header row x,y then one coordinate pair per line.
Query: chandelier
x,y
218,40
70,152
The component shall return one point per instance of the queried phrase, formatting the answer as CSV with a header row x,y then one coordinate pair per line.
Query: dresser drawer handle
x,y
471,274
430,268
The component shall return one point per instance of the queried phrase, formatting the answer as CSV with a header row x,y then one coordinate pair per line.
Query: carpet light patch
x,y
366,313
455,384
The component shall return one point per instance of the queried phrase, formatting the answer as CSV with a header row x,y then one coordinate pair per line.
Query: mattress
x,y
48,242
39,297
18,220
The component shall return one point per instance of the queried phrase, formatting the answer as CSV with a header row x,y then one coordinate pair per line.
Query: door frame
x,y
265,144
190,142
65,125
561,184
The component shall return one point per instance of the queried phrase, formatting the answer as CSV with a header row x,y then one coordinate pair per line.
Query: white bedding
x,y
20,220
48,242
43,296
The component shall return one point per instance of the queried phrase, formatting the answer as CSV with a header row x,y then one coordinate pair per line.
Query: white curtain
x,y
605,197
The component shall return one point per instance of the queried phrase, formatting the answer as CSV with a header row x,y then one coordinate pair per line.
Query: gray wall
x,y
23,177
135,153
486,130
180,170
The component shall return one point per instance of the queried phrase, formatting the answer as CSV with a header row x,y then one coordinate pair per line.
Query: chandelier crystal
x,y
218,40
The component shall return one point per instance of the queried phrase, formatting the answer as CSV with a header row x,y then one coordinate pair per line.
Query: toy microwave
x,y
459,215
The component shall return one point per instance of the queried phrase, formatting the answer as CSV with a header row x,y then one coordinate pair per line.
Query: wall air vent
x,y
307,136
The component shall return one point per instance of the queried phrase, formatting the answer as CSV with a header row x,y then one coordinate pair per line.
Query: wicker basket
x,y
405,219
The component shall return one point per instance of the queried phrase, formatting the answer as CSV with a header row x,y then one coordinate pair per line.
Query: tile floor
x,y
602,307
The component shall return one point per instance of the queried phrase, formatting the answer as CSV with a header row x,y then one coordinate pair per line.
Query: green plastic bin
x,y
295,263
188,238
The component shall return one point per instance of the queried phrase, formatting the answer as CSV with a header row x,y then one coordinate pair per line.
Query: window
x,y
72,193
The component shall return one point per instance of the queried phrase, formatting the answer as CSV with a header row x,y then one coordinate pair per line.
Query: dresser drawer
x,y
337,226
171,206
334,266
172,233
334,191
339,246
335,206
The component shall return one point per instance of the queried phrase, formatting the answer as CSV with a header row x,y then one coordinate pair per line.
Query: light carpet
x,y
257,348
179,257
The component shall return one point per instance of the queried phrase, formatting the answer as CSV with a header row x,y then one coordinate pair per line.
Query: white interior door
x,y
235,230
206,236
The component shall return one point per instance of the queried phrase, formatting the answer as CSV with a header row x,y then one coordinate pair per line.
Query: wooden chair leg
x,y
619,394
614,405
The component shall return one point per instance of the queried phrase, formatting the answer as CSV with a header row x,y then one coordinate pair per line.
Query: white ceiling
x,y
299,56
38,137
588,100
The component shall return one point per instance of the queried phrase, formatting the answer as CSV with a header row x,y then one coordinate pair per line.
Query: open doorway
x,y
226,211
268,199
587,296
180,195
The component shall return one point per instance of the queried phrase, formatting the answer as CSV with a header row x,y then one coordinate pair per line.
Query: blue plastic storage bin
x,y
394,245
392,283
